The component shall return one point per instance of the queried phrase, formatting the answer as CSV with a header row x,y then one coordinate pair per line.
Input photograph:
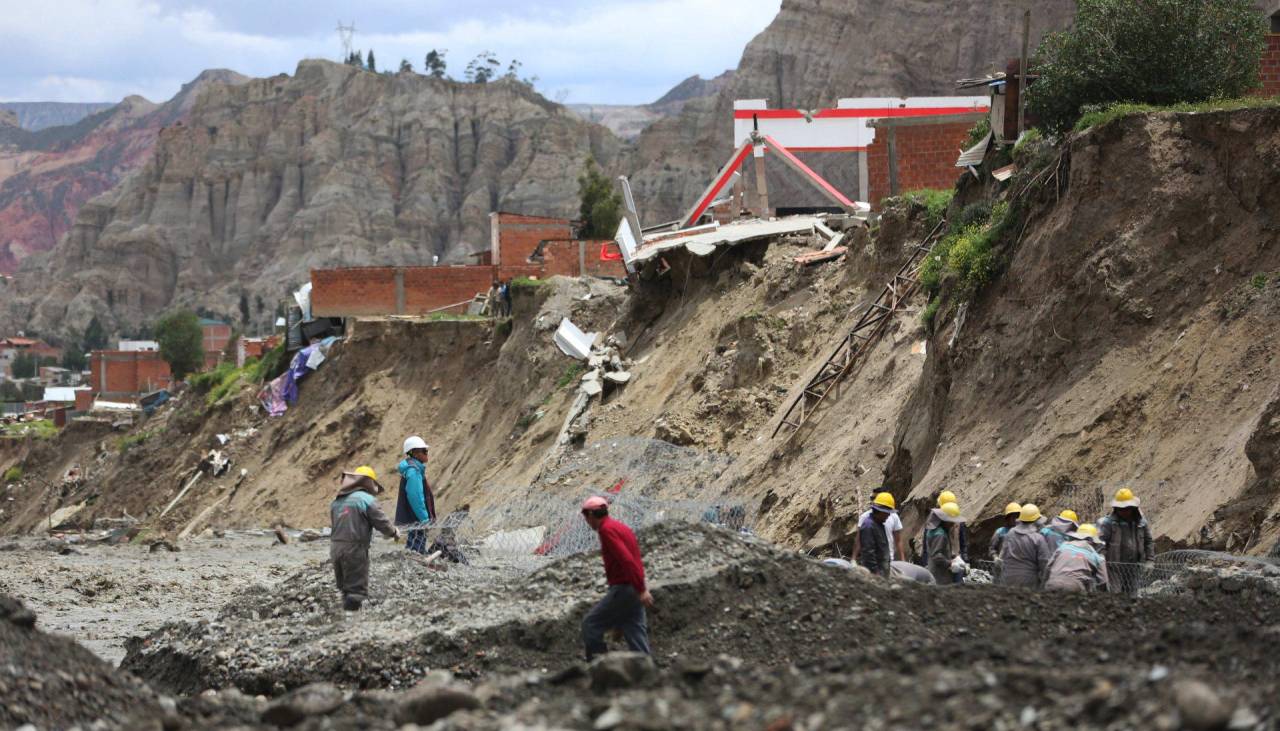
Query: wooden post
x,y
1022,69
893,162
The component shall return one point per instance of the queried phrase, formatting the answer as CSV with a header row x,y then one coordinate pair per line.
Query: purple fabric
x,y
272,397
298,368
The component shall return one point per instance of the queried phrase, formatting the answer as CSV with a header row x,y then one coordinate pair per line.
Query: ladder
x,y
867,329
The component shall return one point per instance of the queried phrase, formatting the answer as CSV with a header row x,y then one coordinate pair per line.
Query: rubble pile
x,y
744,635
1220,581
53,682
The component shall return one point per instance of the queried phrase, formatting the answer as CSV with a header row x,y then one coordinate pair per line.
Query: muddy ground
x,y
745,636
101,595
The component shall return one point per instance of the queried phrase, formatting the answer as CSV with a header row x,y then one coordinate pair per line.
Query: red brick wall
x,y
519,236
926,158
1271,67
429,288
84,400
216,337
127,373
566,258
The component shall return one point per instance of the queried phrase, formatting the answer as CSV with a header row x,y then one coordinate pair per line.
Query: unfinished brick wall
x,y
378,291
123,373
926,158
514,237
1270,74
573,258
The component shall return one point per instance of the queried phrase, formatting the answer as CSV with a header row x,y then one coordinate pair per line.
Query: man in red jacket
x,y
623,605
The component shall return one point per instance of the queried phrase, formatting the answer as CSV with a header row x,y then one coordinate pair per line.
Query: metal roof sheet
x,y
975,154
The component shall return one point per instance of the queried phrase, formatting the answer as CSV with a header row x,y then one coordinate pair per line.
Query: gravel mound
x,y
52,682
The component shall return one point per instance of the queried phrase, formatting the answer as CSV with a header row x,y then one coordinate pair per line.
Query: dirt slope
x,y
1125,341
1129,339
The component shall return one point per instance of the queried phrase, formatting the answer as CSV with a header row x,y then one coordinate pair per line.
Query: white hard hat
x,y
413,443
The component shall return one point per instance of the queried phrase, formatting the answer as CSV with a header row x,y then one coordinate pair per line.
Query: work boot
x,y
351,604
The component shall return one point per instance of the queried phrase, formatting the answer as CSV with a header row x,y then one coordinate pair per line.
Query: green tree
x,y
73,358
181,342
600,204
1150,52
405,66
244,309
434,63
482,68
95,336
9,391
24,366
371,64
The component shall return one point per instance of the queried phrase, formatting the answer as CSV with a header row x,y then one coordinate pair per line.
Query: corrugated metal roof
x,y
974,155
60,393
728,234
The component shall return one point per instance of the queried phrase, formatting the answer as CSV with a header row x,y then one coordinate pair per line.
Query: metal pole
x,y
1022,70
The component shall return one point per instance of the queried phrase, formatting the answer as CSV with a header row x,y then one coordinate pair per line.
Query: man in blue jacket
x,y
415,506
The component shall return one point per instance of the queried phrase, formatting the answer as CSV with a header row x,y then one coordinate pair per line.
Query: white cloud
x,y
623,52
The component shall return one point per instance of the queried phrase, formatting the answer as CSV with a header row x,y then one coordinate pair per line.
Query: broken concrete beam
x,y
618,376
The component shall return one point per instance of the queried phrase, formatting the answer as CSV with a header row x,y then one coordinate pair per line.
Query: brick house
x,y
127,373
216,337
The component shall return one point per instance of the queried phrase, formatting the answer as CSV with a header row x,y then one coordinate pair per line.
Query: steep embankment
x,y
1129,339
1124,339
47,171
812,54
332,166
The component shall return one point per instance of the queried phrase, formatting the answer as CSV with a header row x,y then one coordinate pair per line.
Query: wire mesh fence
x,y
1166,570
544,524
1092,500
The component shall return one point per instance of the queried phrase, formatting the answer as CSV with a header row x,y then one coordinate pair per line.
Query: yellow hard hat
x,y
1030,513
367,471
1012,509
885,500
951,508
1088,529
1125,499
946,496
1070,515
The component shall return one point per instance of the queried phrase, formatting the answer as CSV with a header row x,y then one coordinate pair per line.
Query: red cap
x,y
594,503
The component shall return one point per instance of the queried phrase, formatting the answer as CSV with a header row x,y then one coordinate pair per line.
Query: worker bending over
x,y
1025,555
1077,565
1058,528
353,516
624,603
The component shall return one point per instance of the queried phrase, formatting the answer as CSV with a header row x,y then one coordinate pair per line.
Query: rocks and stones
x,y
429,701
1200,707
315,699
620,670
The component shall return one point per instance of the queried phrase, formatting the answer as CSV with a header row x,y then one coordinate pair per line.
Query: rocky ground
x,y
745,636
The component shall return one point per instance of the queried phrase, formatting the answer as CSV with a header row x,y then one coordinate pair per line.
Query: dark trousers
x,y
351,569
619,609
416,540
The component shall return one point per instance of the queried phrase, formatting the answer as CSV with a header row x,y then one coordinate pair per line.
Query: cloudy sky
x,y
615,51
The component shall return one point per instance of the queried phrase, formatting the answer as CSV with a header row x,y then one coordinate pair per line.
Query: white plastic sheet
x,y
303,298
572,341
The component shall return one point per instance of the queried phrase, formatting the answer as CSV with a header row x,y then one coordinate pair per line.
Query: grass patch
x,y
1095,115
528,282
455,317
124,444
13,474
1259,282
1028,139
930,312
977,132
967,254
38,429
570,374
935,203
